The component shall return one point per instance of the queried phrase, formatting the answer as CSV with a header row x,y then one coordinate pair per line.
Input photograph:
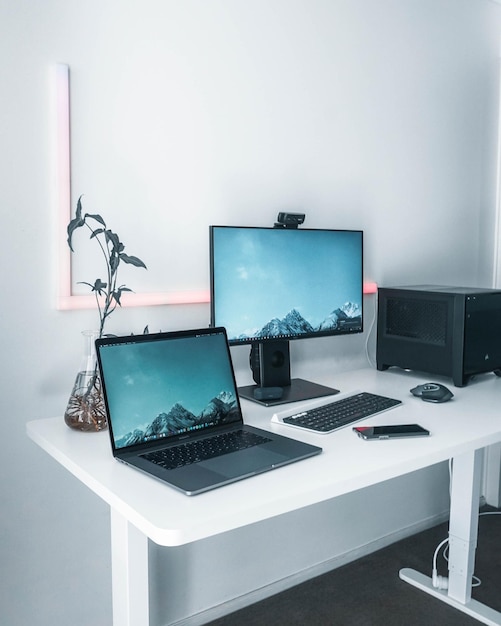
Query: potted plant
x,y
85,410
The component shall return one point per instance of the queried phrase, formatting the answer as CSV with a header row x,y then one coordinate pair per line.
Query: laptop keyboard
x,y
204,449
338,413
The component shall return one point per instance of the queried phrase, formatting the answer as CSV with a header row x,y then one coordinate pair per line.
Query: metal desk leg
x,y
129,558
463,527
463,523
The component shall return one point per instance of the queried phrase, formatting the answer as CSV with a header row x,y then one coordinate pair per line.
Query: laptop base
x,y
166,389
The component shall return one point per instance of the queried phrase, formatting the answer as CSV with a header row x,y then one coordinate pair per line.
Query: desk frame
x,y
463,531
130,555
345,466
130,573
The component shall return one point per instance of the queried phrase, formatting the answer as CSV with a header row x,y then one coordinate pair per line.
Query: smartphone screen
x,y
391,432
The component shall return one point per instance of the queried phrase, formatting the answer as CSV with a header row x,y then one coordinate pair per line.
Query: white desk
x,y
460,430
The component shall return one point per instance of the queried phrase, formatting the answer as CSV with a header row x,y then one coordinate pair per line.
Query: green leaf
x,y
96,217
75,223
99,286
113,237
118,294
114,262
133,260
96,232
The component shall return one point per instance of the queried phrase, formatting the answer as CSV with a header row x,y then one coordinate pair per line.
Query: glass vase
x,y
86,410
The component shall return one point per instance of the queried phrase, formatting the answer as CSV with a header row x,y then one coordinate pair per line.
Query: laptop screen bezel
x,y
105,342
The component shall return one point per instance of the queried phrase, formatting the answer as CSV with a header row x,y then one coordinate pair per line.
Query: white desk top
x,y
471,420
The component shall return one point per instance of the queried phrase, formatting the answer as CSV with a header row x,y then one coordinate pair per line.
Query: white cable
x,y
371,363
439,582
442,582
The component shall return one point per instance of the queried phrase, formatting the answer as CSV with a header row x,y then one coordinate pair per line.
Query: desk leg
x,y
463,527
129,558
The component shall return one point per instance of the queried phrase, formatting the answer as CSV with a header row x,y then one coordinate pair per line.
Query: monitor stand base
x,y
299,389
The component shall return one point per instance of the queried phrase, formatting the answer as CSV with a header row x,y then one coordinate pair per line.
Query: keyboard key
x,y
203,449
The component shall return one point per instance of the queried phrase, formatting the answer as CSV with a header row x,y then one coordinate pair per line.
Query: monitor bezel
x,y
317,334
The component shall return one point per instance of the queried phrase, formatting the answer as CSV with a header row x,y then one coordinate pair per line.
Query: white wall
x,y
374,115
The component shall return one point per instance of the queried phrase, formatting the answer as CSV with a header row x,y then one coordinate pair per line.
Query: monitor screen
x,y
272,285
285,283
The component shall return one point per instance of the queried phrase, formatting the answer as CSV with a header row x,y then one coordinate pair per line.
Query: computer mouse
x,y
432,392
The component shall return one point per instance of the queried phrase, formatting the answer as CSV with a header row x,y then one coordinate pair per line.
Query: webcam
x,y
289,220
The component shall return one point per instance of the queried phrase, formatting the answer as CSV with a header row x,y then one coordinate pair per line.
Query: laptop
x,y
167,393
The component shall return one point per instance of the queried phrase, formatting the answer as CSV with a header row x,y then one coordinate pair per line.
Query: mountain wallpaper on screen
x,y
222,409
344,318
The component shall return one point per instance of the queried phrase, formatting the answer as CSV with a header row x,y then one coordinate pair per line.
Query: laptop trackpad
x,y
250,461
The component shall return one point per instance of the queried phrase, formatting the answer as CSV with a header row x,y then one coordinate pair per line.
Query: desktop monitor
x,y
273,285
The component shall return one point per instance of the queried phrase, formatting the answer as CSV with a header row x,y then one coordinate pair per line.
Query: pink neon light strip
x,y
137,299
370,288
63,174
153,299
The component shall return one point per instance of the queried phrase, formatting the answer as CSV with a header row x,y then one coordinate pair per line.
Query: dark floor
x,y
369,592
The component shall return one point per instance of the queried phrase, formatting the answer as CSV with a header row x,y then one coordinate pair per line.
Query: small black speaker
x,y
270,363
452,331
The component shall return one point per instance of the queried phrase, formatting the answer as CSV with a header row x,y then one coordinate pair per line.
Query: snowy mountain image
x,y
292,324
349,315
220,410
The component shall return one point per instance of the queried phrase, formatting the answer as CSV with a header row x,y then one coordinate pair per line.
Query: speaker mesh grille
x,y
425,320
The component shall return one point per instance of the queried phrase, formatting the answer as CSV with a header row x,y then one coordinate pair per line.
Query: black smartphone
x,y
391,432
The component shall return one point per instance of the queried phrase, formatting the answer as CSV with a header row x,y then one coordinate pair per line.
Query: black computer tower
x,y
451,331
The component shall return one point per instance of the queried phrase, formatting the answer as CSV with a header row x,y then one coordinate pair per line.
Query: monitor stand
x,y
270,365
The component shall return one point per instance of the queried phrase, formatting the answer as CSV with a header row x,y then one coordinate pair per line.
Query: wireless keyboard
x,y
338,413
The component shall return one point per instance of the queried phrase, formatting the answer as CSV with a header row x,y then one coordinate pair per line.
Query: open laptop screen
x,y
167,384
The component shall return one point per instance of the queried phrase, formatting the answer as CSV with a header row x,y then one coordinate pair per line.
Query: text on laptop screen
x,y
163,388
